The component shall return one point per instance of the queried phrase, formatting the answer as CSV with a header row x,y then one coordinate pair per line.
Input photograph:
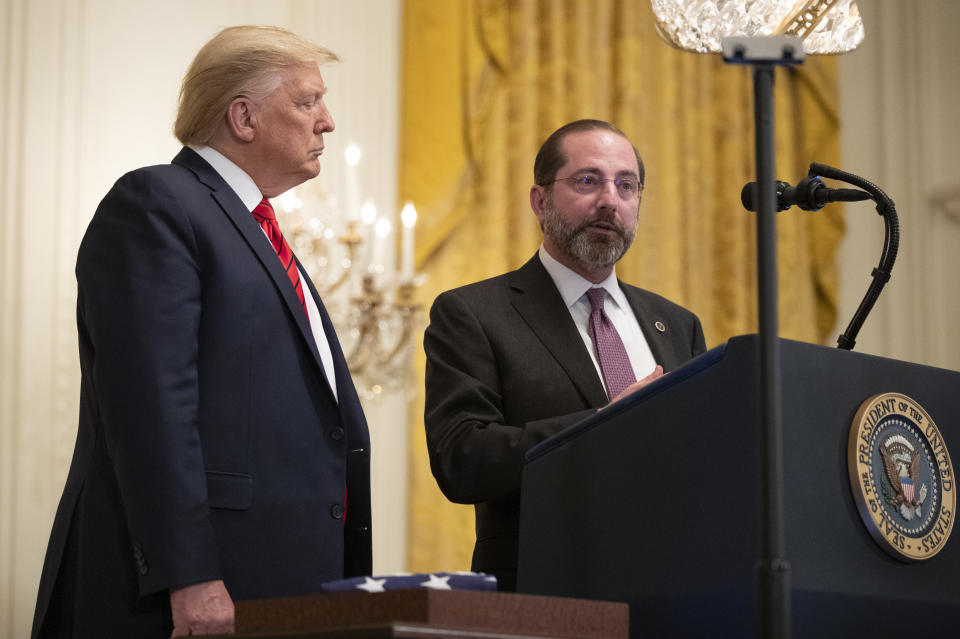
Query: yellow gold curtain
x,y
485,81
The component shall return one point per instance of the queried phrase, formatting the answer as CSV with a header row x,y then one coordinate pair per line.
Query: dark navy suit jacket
x,y
210,445
506,369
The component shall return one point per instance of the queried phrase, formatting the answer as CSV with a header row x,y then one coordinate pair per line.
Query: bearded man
x,y
517,358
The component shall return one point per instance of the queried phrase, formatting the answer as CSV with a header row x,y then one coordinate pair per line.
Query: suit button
x,y
337,434
144,570
336,511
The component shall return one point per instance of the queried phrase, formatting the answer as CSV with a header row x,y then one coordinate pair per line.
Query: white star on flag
x,y
437,583
372,585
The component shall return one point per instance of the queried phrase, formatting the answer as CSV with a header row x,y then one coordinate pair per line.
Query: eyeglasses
x,y
628,187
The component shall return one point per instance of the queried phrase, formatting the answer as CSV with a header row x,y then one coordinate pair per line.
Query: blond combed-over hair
x,y
239,61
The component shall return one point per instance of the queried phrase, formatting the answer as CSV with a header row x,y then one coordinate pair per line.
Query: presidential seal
x,y
901,477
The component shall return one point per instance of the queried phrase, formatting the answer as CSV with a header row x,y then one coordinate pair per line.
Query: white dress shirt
x,y
248,192
573,289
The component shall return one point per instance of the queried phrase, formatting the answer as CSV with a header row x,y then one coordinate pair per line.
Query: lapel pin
x,y
660,326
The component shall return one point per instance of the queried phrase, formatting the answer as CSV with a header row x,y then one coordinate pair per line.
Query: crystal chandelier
x,y
349,253
825,26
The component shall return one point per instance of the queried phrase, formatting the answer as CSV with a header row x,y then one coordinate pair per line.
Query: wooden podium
x,y
433,614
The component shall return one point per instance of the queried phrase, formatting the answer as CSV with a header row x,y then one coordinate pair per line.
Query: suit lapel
x,y
536,298
351,411
230,203
649,320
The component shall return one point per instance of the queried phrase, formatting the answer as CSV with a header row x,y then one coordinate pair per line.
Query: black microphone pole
x,y
774,568
764,54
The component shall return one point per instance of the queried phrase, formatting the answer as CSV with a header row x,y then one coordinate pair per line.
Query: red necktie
x,y
264,214
611,354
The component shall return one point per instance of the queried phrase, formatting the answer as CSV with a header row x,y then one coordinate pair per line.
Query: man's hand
x,y
637,385
201,609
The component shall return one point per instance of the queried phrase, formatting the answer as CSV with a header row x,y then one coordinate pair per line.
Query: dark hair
x,y
551,157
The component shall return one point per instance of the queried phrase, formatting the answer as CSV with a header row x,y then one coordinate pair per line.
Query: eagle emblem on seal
x,y
901,462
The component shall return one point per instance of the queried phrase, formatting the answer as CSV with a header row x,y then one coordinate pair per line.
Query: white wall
x,y
899,95
88,91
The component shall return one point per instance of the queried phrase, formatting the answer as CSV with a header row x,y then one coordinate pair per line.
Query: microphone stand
x,y
891,244
764,54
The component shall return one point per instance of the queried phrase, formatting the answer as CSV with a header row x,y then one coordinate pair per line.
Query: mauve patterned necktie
x,y
264,214
614,361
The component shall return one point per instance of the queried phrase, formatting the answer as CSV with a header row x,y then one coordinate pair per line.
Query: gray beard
x,y
576,242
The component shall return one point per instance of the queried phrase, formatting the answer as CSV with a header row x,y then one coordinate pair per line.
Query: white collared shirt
x,y
573,289
248,192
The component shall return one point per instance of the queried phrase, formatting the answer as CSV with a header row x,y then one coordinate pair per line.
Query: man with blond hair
x,y
221,441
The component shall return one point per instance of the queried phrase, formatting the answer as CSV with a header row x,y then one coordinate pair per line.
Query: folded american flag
x,y
401,581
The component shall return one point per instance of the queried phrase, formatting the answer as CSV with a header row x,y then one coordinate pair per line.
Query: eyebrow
x,y
593,169
309,89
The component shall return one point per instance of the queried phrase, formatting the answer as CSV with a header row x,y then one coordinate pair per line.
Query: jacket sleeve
x,y
139,301
474,454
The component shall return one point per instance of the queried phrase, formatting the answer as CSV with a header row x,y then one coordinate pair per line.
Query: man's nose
x,y
609,196
324,122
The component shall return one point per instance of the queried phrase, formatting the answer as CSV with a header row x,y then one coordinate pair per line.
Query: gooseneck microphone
x,y
810,194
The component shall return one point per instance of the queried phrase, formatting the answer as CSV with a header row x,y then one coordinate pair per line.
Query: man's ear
x,y
538,196
242,119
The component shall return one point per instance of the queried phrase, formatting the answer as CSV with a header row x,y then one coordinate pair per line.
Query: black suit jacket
x,y
210,445
506,368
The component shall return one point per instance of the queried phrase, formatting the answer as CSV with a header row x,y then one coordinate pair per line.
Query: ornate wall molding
x,y
38,342
898,100
947,200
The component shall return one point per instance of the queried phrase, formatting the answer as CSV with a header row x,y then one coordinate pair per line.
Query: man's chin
x,y
599,254
312,169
